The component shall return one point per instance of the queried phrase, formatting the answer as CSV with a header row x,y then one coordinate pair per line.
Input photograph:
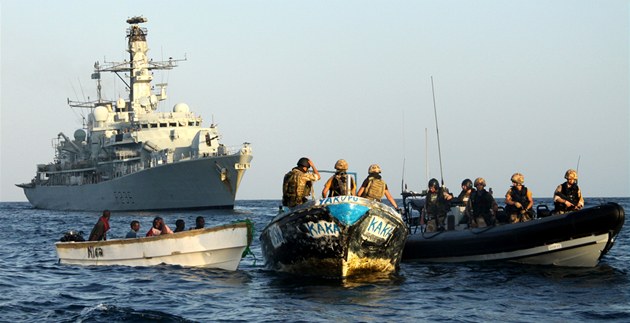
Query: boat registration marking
x,y
554,246
322,229
378,228
94,252
337,199
275,235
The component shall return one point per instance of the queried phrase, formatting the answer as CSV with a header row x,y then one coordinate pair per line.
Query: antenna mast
x,y
438,132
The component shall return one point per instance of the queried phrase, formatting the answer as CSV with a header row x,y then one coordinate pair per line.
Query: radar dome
x,y
79,135
100,114
181,107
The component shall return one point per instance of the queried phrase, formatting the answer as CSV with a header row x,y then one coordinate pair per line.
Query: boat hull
x,y
189,184
577,239
218,247
335,237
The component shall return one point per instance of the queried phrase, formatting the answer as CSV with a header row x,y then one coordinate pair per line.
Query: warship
x,y
130,157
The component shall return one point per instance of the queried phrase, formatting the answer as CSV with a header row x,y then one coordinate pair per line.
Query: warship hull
x,y
204,183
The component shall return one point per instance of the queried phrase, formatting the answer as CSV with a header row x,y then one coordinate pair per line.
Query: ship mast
x,y
139,71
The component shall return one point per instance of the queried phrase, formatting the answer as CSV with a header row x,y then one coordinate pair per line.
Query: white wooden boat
x,y
217,247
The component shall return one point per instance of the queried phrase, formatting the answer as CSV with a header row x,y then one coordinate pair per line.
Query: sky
x,y
535,87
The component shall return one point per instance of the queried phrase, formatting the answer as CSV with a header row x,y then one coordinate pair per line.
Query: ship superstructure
x,y
131,157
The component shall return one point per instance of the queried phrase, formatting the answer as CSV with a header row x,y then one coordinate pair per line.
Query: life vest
x,y
480,203
375,188
570,194
519,196
436,204
340,185
295,188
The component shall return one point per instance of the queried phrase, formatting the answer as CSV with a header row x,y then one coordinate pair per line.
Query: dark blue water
x,y
34,287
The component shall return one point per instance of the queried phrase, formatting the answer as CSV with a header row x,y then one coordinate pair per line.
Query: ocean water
x,y
34,287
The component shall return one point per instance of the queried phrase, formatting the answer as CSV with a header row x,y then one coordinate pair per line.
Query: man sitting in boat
x,y
340,183
519,201
437,204
135,227
158,228
481,208
568,196
180,225
200,223
99,231
374,187
298,183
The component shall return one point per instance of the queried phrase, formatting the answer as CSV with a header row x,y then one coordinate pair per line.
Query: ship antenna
x,y
437,131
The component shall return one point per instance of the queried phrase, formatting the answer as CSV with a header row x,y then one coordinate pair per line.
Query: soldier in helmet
x,y
340,183
374,187
437,204
463,197
519,201
568,196
467,189
298,183
481,208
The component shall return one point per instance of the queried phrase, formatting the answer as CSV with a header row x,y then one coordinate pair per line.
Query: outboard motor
x,y
75,236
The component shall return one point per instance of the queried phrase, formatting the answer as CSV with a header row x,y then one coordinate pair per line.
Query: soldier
x,y
340,183
374,187
519,201
298,183
436,206
568,196
481,207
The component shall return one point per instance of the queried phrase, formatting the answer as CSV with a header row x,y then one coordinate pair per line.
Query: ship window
x,y
172,124
144,126
153,125
191,123
197,123
163,125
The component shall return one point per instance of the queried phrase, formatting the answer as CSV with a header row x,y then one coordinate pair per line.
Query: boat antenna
x,y
402,180
437,131
426,155
577,169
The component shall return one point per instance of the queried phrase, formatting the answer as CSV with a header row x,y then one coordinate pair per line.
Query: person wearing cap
x,y
481,207
437,204
568,196
340,183
519,201
298,183
374,187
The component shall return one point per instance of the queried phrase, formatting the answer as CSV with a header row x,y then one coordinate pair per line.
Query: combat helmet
x,y
571,174
434,183
480,181
467,183
303,162
374,168
341,164
518,178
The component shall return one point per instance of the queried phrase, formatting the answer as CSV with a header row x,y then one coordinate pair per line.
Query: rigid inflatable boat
x,y
575,239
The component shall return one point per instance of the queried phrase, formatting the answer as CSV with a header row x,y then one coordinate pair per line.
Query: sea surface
x,y
35,288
